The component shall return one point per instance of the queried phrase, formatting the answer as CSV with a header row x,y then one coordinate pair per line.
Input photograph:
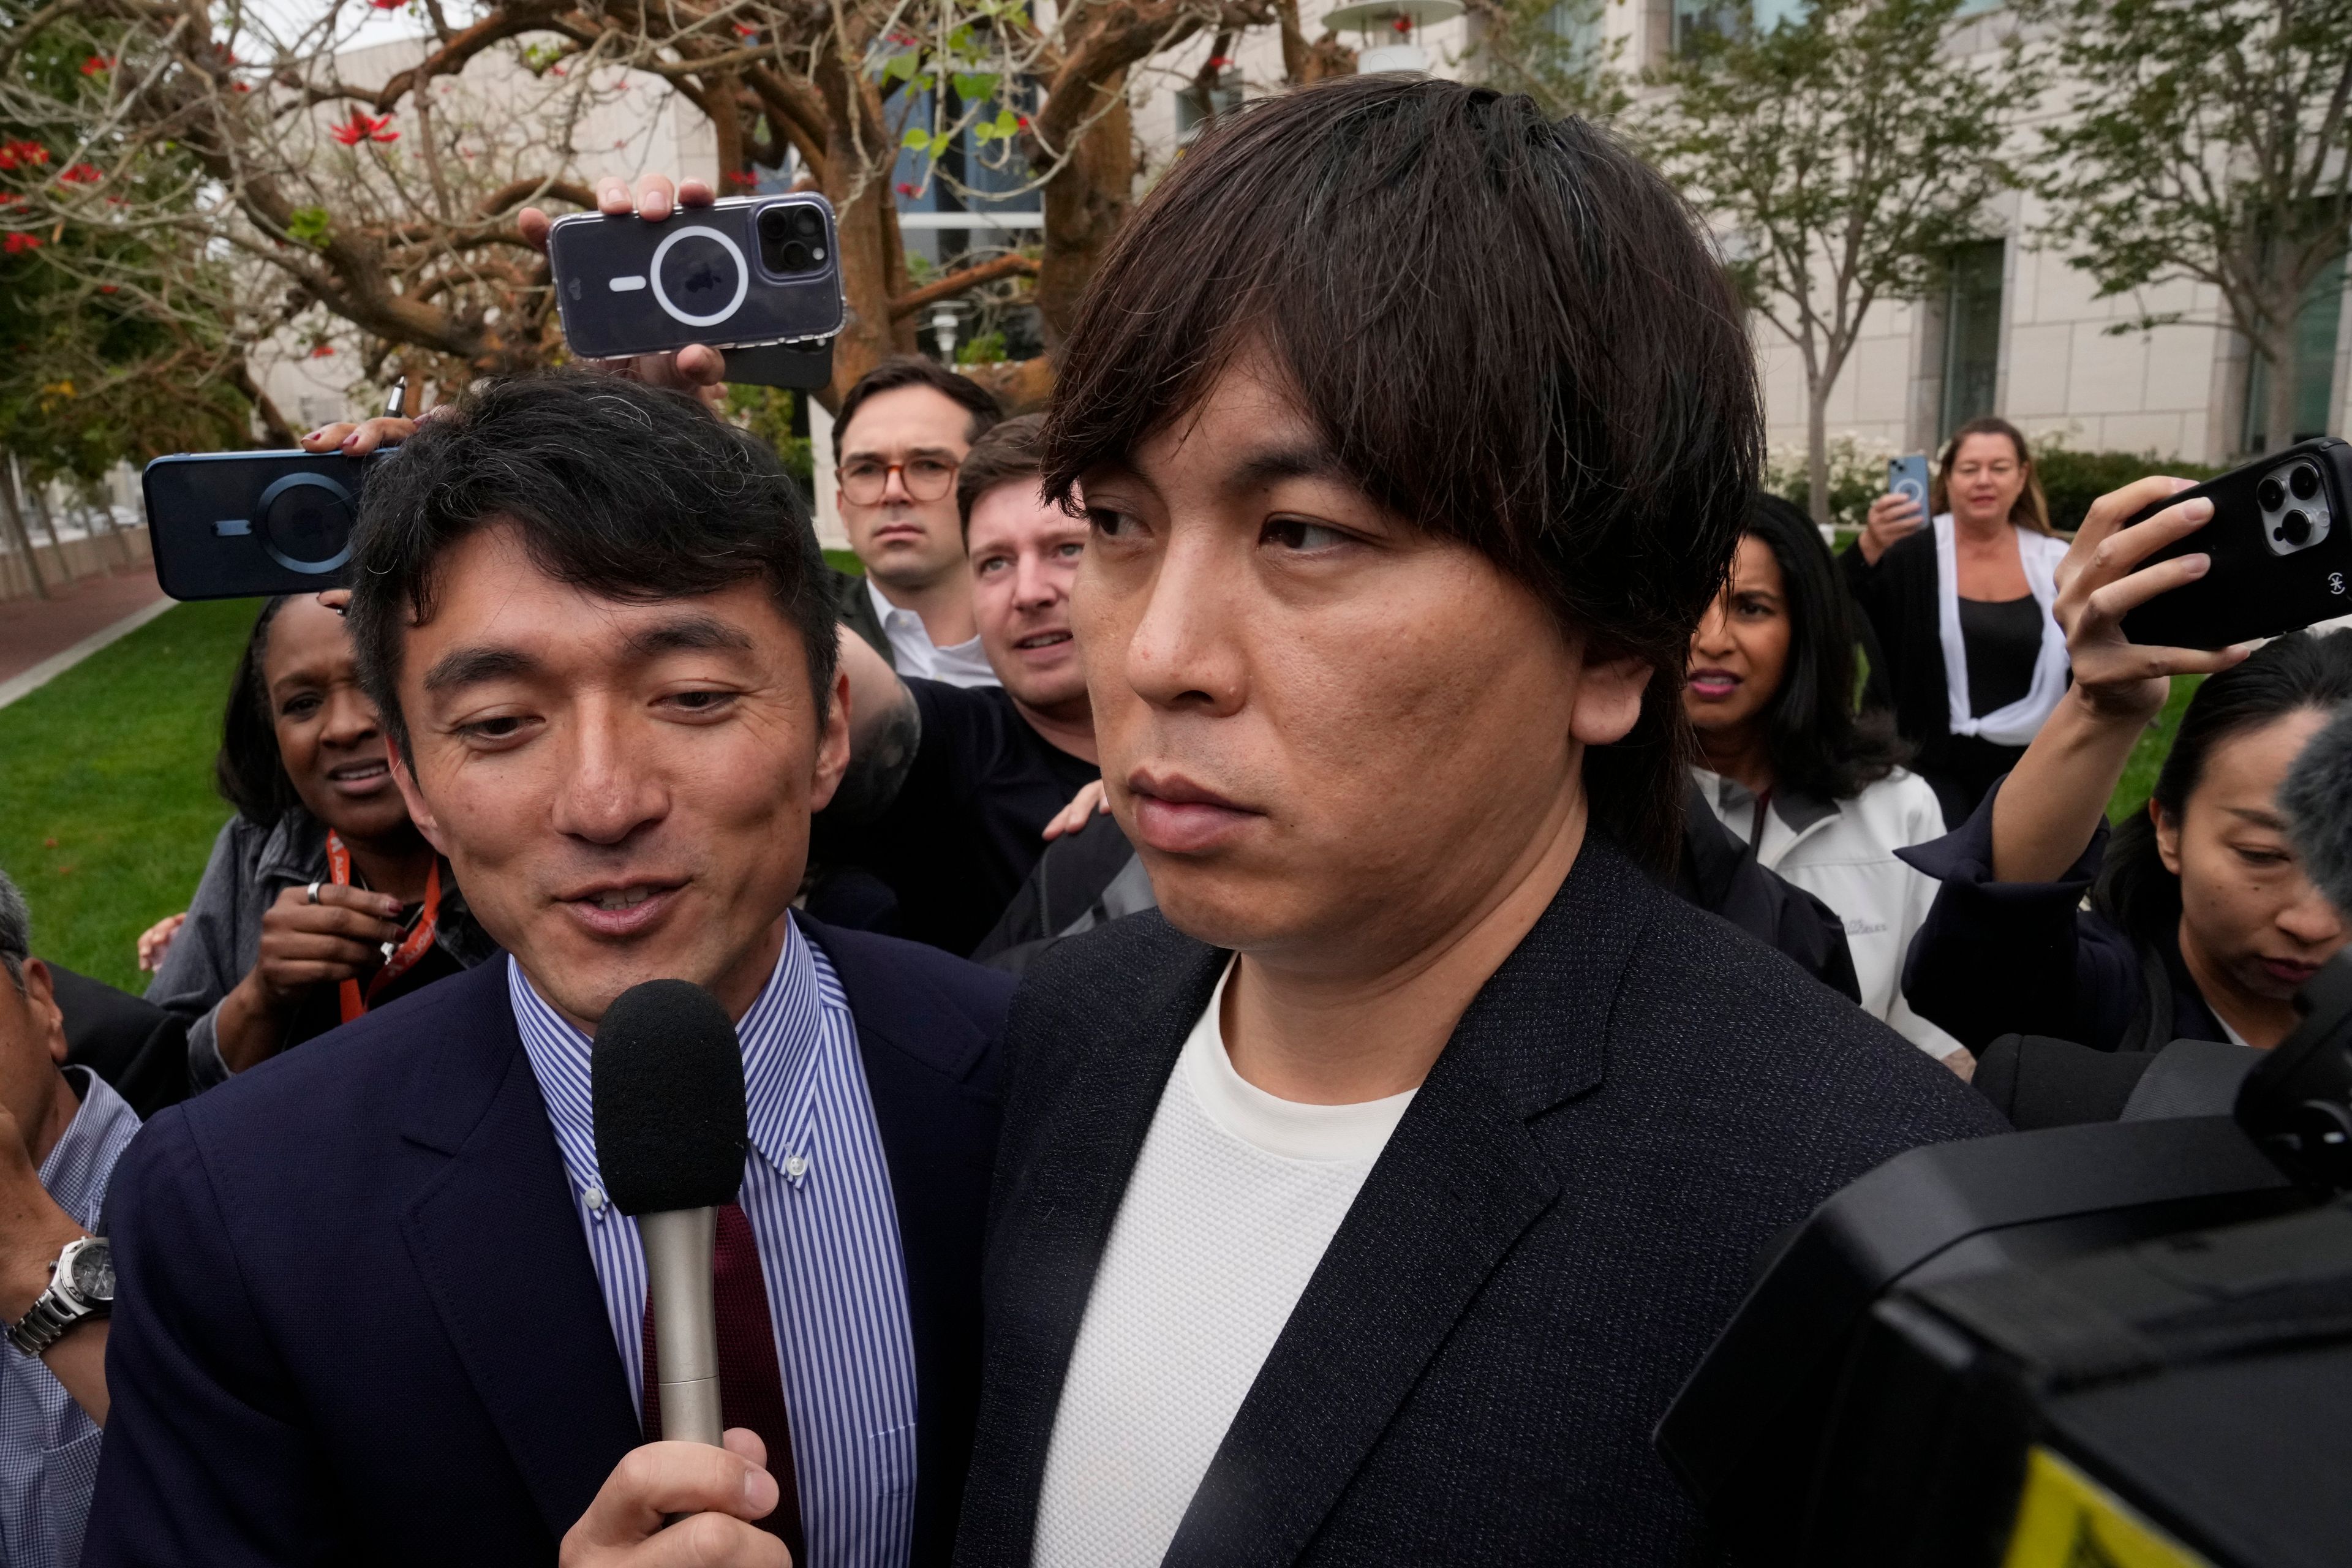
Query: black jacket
x,y
855,605
2025,958
1635,1103
1897,597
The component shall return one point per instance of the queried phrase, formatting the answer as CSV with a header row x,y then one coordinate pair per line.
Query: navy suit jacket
x,y
357,1319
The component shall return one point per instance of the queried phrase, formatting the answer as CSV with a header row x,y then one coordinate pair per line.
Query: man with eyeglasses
x,y
949,792
903,432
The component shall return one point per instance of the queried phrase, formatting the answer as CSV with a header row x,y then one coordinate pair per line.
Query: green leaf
x,y
917,138
308,225
901,67
983,131
975,86
1007,124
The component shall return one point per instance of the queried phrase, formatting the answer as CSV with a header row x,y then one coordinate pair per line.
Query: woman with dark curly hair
x,y
322,899
1790,767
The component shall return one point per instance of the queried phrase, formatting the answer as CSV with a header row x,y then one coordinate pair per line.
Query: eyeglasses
x,y
863,479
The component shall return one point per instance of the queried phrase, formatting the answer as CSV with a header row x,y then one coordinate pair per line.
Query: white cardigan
x,y
1842,852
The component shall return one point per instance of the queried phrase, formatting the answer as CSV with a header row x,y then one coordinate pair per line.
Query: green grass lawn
x,y
107,809
2139,773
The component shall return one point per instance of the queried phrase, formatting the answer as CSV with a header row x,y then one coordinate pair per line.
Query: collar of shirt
x,y
956,664
76,1173
781,1040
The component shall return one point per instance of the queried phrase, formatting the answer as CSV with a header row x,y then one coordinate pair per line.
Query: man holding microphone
x,y
376,1305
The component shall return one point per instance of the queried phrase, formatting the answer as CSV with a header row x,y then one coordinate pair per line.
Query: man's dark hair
x,y
623,491
248,770
914,370
1511,333
1821,743
1011,451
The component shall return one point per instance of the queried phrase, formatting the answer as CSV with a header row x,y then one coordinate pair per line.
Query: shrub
x,y
2073,481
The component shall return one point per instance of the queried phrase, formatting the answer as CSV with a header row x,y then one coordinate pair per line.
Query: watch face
x,y
93,1272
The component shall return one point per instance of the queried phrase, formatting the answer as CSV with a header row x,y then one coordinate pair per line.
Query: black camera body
x,y
736,274
2281,542
229,525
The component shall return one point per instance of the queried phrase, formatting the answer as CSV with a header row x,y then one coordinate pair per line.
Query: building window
x,y
1971,333
1693,17
1576,24
1197,107
2316,325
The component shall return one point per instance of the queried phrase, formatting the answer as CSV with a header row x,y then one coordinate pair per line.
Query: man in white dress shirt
x,y
904,431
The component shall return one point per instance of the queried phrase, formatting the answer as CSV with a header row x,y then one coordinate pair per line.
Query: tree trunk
x,y
24,541
49,526
1817,448
2277,351
1086,201
857,165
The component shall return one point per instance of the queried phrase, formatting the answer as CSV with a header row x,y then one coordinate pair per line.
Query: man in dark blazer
x,y
1369,1203
374,1305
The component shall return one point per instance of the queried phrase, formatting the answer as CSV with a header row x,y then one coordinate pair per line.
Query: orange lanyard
x,y
400,960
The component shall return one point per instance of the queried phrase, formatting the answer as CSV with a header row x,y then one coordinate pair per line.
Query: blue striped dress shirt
x,y
48,1448
817,1193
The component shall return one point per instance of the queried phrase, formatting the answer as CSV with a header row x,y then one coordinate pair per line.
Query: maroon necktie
x,y
750,1386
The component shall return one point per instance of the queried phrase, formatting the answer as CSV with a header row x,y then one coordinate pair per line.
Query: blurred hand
x,y
357,440
303,945
155,939
1891,517
717,1490
1083,808
2115,678
697,368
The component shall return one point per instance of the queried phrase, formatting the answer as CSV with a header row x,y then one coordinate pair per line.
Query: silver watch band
x,y
55,1310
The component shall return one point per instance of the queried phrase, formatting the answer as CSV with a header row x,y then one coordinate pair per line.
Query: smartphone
x,y
739,273
1908,477
2281,539
230,525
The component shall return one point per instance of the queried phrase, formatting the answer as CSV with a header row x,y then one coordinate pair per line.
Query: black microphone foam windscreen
x,y
2318,800
665,1078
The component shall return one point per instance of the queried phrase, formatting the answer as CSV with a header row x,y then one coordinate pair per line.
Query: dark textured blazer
x,y
1636,1101
358,1321
856,608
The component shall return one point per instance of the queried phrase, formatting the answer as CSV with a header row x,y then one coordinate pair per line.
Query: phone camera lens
x,y
806,224
2303,481
2271,494
791,238
306,523
795,257
2296,528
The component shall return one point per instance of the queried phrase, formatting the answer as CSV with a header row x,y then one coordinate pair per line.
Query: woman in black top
x,y
2200,924
1960,607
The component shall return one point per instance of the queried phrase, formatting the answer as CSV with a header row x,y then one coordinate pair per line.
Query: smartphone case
x,y
2253,590
1909,476
624,286
231,525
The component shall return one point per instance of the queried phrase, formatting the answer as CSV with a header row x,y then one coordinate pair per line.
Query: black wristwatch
x,y
81,1287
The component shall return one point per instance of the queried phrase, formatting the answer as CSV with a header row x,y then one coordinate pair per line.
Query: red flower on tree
x,y
17,244
906,187
23,154
98,65
82,174
1402,24
746,31
1218,62
387,4
362,128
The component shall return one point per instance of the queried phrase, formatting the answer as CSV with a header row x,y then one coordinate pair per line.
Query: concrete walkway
x,y
42,639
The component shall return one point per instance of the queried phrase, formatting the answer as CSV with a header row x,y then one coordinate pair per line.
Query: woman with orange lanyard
x,y
322,899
